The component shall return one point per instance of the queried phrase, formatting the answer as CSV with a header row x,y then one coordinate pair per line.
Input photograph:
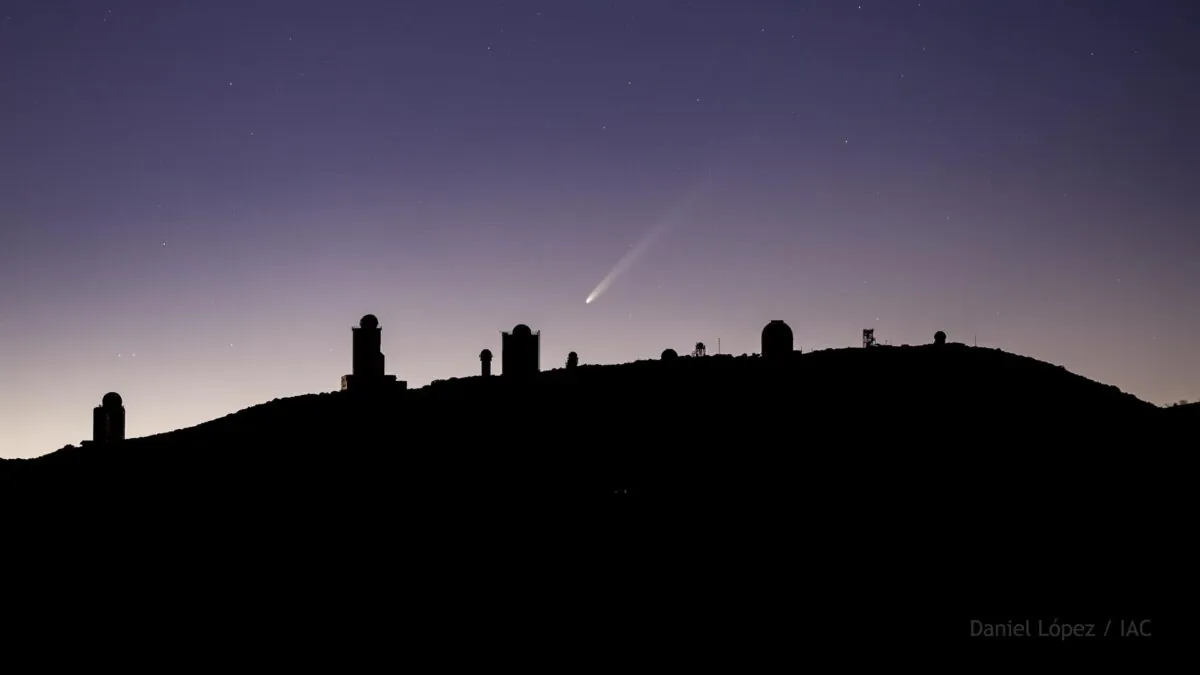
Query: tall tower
x,y
777,340
367,363
108,420
520,351
367,357
485,362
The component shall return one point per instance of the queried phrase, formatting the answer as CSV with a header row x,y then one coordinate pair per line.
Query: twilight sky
x,y
199,198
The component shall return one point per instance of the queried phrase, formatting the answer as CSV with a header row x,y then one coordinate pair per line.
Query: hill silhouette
x,y
915,486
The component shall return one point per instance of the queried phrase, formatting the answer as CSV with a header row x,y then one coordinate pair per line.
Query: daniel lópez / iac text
x,y
1061,630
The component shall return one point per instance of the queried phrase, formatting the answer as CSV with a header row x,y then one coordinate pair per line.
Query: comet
x,y
648,239
636,251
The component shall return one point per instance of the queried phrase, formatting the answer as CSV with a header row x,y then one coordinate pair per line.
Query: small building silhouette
x,y
939,338
367,362
572,360
485,363
777,340
108,420
869,337
520,352
700,350
669,354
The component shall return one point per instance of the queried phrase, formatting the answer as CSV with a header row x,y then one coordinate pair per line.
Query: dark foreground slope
x,y
845,497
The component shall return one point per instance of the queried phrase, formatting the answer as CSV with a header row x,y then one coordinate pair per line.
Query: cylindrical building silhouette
x,y
108,419
777,340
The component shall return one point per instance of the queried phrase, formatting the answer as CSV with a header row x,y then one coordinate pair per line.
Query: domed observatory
x,y
669,354
939,338
367,362
485,363
520,352
777,340
108,420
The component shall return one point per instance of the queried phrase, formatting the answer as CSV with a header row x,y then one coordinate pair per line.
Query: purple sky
x,y
199,199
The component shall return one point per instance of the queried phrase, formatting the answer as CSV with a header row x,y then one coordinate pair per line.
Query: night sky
x,y
198,199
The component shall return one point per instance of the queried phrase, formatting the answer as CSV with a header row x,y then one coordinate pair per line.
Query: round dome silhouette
x,y
939,338
668,354
369,322
776,339
111,400
777,329
486,355
522,330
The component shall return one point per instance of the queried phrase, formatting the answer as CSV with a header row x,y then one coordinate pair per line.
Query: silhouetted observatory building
x,y
108,420
520,352
777,340
367,359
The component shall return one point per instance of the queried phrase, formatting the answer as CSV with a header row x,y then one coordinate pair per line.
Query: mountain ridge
x,y
941,482
1005,365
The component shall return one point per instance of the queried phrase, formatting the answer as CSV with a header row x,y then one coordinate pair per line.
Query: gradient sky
x,y
199,198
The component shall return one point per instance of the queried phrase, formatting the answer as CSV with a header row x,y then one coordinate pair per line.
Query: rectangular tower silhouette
x,y
367,362
520,352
